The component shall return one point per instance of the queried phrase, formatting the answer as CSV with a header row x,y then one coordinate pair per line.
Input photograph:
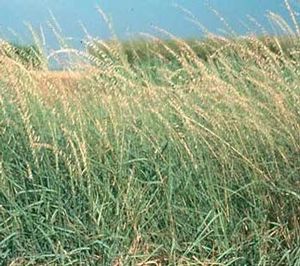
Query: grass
x,y
29,56
181,160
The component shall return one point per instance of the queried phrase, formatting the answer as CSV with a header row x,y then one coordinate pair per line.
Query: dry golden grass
x,y
60,79
186,158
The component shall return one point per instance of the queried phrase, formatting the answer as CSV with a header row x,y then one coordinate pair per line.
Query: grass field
x,y
159,153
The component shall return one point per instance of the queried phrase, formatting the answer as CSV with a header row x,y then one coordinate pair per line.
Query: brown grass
x,y
11,72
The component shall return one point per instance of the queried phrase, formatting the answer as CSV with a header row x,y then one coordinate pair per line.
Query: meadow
x,y
152,152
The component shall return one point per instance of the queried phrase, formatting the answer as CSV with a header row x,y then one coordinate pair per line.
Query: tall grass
x,y
181,160
30,56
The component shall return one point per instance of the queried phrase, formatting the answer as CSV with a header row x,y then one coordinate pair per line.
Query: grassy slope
x,y
179,160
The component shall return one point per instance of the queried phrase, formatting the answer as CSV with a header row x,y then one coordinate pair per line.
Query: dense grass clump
x,y
177,160
30,56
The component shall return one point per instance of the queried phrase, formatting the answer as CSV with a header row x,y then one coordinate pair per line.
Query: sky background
x,y
130,16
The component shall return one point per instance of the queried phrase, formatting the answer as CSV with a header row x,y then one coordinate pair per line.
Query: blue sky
x,y
130,16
